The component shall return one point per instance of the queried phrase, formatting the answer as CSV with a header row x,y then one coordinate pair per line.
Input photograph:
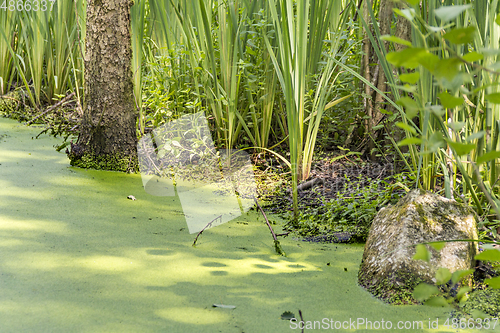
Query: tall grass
x,y
458,124
295,60
9,29
40,50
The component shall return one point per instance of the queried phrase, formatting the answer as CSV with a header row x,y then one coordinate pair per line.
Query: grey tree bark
x,y
375,74
108,138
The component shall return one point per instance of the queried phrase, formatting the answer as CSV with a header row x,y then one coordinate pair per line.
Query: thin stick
x,y
209,223
52,108
265,217
277,246
301,319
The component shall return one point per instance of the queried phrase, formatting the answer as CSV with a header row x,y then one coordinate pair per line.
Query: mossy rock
x,y
388,268
396,289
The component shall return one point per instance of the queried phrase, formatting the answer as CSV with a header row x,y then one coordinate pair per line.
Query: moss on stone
x,y
396,289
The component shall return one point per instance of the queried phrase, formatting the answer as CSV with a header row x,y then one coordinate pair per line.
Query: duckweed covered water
x,y
78,256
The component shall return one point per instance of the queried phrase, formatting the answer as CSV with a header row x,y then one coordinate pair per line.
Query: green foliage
x,y
450,292
479,308
454,96
168,91
40,50
354,208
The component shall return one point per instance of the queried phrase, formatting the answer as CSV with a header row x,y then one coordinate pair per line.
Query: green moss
x,y
111,162
487,301
396,289
11,106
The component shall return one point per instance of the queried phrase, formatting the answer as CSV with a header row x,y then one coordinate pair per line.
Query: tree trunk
x,y
368,102
385,21
373,100
108,138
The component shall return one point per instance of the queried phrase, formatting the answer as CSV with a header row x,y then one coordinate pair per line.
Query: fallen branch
x,y
277,245
53,107
310,183
209,223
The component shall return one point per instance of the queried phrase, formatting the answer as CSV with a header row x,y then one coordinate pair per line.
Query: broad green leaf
x,y
473,56
408,14
438,301
456,126
493,282
435,142
438,246
489,156
407,88
410,141
488,255
406,127
490,246
493,98
437,110
463,300
410,78
461,35
460,274
447,68
410,106
396,40
413,2
449,101
443,275
422,253
448,13
487,52
497,20
423,291
429,61
461,148
462,291
478,314
475,136
405,58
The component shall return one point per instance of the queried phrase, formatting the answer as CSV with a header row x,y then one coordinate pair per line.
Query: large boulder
x,y
388,270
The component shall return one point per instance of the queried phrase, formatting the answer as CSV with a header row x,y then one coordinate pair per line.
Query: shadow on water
x,y
78,256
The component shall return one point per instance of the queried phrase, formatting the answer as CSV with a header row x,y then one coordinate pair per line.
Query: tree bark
x,y
373,100
385,21
108,138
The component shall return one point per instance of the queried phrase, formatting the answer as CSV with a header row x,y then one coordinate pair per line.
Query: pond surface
x,y
78,256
